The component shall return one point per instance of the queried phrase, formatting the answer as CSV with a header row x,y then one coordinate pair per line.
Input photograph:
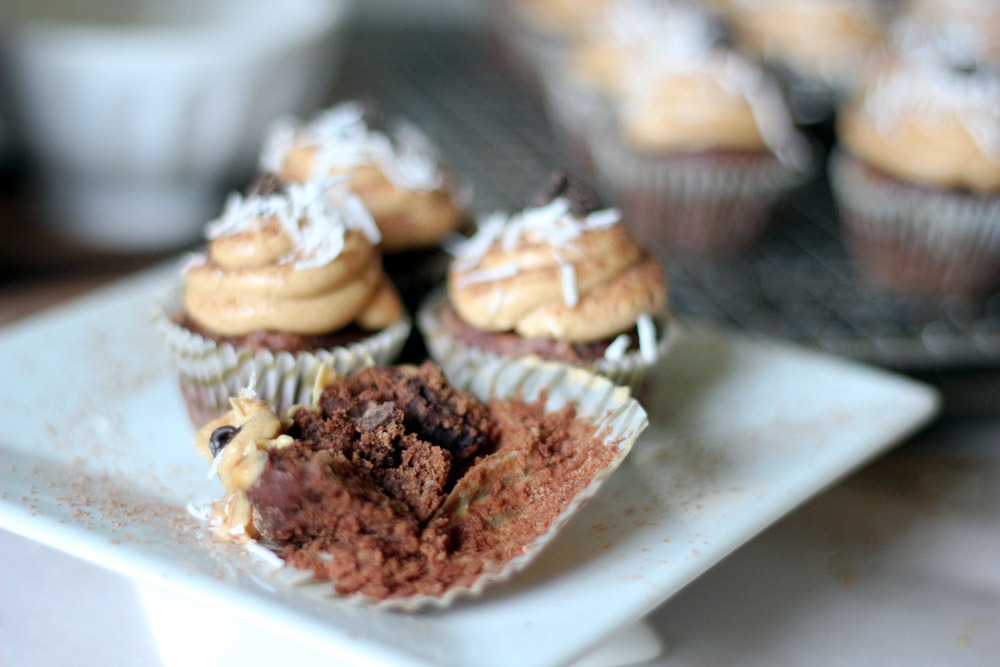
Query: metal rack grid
x,y
797,284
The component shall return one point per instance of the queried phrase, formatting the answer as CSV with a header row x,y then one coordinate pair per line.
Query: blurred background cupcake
x,y
818,49
292,279
582,84
917,176
703,147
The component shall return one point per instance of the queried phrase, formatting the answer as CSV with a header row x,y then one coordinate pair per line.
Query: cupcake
x,y
703,148
292,279
562,280
818,49
581,89
917,178
395,170
394,488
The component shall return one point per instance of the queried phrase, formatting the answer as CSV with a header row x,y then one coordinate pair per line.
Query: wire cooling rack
x,y
797,284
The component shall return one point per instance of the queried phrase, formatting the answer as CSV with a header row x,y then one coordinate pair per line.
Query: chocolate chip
x,y
220,438
266,185
582,198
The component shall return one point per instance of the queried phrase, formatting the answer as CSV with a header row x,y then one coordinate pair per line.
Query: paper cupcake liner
x,y
456,357
617,418
211,372
688,204
917,240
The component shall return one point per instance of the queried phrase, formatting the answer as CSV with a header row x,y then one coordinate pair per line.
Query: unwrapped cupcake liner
x,y
212,372
456,357
917,240
690,204
617,418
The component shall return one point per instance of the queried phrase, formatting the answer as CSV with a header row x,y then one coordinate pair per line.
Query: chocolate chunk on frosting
x,y
581,197
267,184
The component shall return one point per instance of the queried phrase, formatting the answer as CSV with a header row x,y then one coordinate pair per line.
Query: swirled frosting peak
x,y
300,259
342,138
556,270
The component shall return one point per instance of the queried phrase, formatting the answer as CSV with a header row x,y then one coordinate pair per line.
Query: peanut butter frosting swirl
x,y
397,171
303,261
705,99
929,121
553,272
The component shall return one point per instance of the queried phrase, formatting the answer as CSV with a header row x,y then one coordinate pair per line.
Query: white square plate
x,y
96,460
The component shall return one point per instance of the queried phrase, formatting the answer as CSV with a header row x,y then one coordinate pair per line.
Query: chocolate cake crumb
x,y
399,485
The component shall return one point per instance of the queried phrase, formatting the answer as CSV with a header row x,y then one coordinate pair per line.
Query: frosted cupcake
x,y
581,90
396,171
292,279
703,149
562,280
819,49
918,176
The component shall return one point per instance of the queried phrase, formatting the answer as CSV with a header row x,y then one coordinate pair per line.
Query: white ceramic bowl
x,y
139,114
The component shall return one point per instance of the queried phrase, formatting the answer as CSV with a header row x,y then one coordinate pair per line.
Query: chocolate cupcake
x,y
917,178
292,279
394,169
562,280
702,150
581,88
395,488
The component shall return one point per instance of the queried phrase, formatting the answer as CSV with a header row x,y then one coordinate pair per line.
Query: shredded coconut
x,y
257,549
343,140
200,509
552,223
647,337
616,350
571,296
315,215
213,469
488,275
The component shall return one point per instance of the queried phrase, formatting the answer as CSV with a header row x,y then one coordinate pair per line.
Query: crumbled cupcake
x,y
563,279
394,485
917,178
292,277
